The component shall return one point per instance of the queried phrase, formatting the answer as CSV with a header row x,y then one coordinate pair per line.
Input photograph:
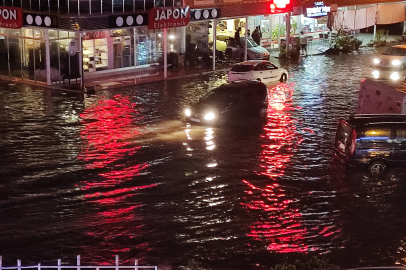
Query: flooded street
x,y
119,173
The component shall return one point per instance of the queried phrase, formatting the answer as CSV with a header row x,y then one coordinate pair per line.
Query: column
x,y
47,57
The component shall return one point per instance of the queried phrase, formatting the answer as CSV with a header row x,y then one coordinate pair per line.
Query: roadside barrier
x,y
59,266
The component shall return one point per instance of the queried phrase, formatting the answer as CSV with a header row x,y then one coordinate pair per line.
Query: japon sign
x,y
11,17
168,17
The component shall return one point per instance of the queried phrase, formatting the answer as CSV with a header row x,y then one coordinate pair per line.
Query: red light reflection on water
x,y
110,135
280,225
108,131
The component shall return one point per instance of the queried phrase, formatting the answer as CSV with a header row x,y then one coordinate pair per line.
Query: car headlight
x,y
394,76
209,116
376,61
395,62
375,74
188,112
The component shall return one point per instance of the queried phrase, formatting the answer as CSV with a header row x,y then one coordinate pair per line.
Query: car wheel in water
x,y
283,77
377,167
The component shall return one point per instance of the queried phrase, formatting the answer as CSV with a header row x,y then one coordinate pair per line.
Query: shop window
x,y
84,7
3,56
38,34
149,4
106,6
128,5
96,6
122,51
118,5
73,6
149,46
15,48
139,4
26,5
95,55
53,34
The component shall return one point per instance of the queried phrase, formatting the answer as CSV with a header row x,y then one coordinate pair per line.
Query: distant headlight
x,y
375,74
188,112
376,61
394,76
209,116
396,62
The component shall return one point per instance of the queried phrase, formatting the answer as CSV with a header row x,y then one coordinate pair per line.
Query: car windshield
x,y
242,68
396,51
250,42
217,99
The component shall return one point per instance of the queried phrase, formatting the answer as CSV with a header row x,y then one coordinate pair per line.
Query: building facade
x,y
57,40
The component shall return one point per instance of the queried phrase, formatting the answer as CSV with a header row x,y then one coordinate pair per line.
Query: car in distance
x,y
393,58
254,51
391,64
230,103
376,141
263,71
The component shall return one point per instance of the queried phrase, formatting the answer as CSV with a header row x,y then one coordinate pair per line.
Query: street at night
x,y
119,173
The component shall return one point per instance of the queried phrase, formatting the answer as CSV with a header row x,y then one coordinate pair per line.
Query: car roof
x,y
253,62
363,119
239,86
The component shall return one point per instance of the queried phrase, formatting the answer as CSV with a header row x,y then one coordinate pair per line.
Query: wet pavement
x,y
117,172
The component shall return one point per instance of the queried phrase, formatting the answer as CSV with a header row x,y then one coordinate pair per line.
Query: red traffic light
x,y
278,5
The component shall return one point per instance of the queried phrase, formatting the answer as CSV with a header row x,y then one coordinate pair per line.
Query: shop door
x,y
118,55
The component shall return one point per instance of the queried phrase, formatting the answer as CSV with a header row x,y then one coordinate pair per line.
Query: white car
x,y
254,51
394,58
263,71
391,64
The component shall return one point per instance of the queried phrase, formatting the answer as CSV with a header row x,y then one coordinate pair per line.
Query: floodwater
x,y
118,173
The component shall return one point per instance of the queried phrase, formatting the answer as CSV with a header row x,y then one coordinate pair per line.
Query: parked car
x,y
376,141
229,103
263,71
254,51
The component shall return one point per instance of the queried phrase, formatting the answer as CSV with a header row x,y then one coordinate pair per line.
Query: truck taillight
x,y
353,141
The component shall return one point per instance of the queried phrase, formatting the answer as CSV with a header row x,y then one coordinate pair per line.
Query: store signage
x,y
169,17
95,35
41,20
318,10
128,20
11,17
204,14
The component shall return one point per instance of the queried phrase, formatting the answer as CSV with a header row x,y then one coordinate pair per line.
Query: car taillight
x,y
353,141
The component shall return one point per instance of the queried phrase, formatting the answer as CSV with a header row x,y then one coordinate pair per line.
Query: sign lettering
x,y
317,11
169,17
11,17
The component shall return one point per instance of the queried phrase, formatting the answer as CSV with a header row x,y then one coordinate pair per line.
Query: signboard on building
x,y
168,17
319,9
128,20
11,17
95,35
